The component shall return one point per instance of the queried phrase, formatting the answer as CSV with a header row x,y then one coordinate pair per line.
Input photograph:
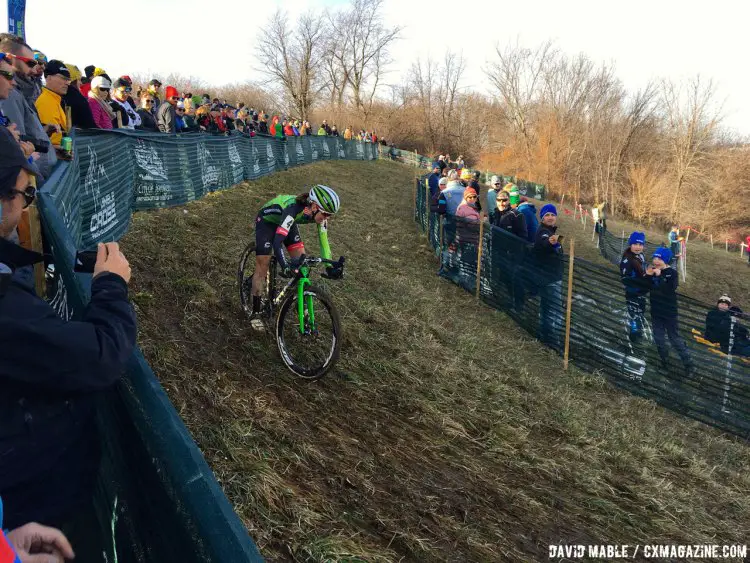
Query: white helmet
x,y
325,197
495,180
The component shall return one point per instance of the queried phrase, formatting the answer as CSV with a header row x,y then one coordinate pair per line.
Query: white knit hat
x,y
100,82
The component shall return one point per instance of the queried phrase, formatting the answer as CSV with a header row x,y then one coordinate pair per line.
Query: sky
x,y
644,39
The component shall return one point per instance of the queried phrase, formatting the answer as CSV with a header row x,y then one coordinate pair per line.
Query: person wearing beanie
x,y
675,241
547,274
467,209
435,201
80,111
495,187
128,116
664,312
723,328
98,100
166,117
153,88
633,277
433,179
508,250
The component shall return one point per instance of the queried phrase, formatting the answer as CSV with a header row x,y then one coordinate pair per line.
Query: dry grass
x,y
444,434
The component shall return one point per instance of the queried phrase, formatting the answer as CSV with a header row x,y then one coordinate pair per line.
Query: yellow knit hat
x,y
99,71
75,72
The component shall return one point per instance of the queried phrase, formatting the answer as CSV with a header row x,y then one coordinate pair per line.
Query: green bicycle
x,y
308,326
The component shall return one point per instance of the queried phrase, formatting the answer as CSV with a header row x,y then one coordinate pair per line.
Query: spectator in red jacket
x,y
288,129
747,249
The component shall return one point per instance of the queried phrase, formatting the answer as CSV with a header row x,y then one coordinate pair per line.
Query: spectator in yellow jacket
x,y
49,102
348,133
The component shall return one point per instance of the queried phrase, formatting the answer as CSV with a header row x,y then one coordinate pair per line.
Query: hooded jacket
x,y
166,118
51,374
664,293
528,210
511,221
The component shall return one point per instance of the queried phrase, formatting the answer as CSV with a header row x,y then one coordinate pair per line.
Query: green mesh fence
x,y
534,293
156,498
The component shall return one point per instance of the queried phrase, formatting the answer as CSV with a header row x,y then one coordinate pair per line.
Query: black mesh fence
x,y
665,357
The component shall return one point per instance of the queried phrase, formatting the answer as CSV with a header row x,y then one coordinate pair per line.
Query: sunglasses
x,y
8,75
148,101
175,98
28,195
29,62
104,89
471,197
502,199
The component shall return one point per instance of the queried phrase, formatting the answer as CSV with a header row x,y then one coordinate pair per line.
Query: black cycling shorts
x,y
265,232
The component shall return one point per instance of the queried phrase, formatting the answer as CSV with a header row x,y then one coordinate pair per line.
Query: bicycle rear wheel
x,y
311,352
245,273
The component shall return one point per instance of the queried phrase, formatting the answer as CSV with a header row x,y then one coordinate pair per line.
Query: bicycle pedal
x,y
257,324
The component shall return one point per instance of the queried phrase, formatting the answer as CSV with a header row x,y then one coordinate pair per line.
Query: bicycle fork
x,y
305,302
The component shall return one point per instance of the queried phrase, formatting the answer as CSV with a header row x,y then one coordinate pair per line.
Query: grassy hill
x,y
445,433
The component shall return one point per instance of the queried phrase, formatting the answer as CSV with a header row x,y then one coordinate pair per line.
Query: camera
x,y
40,146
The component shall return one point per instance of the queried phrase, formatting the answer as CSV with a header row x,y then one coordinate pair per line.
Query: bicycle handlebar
x,y
313,260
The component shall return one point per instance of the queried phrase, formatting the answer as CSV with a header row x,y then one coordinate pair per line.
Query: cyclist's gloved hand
x,y
333,273
289,270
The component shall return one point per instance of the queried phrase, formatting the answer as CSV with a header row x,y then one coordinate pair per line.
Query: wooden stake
x,y
687,238
743,245
712,241
69,118
479,255
726,245
562,201
571,262
427,210
35,232
442,231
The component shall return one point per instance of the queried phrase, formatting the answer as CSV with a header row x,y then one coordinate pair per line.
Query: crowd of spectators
x,y
455,192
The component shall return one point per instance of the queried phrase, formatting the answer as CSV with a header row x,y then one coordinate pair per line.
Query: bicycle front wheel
x,y
311,348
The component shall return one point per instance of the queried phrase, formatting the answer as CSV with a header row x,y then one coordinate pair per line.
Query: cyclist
x,y
277,222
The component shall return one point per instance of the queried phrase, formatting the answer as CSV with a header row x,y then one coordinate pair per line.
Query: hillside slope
x,y
445,433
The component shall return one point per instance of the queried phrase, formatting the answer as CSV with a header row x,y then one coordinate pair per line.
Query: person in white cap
x,y
496,186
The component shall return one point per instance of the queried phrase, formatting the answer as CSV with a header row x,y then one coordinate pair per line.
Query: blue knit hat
x,y
637,238
664,253
549,208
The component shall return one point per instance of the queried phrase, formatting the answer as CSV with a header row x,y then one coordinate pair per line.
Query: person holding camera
x,y
52,371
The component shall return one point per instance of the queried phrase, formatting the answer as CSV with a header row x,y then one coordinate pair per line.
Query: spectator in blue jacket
x,y
663,280
32,543
548,254
496,187
453,194
52,371
528,210
433,179
633,277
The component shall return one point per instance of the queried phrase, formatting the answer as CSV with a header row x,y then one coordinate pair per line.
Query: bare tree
x,y
293,58
517,76
692,121
361,55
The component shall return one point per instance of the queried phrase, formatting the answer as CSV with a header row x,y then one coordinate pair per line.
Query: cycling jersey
x,y
285,213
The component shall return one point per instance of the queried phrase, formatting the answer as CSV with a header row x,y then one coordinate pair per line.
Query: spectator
x,y
128,115
348,133
453,194
663,280
322,131
203,118
334,131
674,242
240,122
227,116
460,163
49,102
189,119
80,112
465,176
433,179
154,86
179,118
51,371
6,85
437,204
263,124
548,254
326,127
496,183
148,121
442,163
103,115
723,328
374,136
508,219
166,115
86,80
528,210
747,248
37,72
632,274
288,129
295,128
468,208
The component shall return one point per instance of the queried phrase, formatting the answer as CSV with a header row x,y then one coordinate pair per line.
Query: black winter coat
x,y
80,110
51,374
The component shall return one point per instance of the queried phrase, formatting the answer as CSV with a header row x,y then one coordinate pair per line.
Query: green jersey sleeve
x,y
325,249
